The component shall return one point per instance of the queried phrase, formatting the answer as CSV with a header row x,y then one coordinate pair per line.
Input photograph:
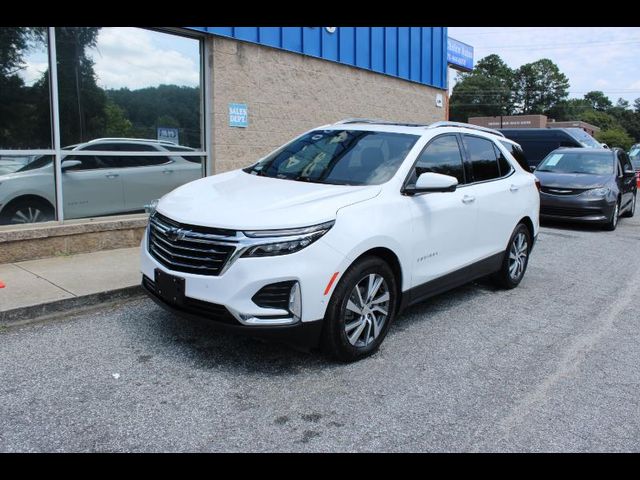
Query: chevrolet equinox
x,y
325,240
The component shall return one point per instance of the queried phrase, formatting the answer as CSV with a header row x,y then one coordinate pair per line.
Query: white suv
x,y
325,240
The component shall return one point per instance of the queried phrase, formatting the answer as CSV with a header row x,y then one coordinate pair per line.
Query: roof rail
x,y
359,120
379,122
123,139
466,125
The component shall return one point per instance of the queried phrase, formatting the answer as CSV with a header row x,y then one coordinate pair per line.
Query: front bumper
x,y
301,334
574,208
233,290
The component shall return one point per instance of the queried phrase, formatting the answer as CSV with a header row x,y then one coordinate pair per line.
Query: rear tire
x,y
361,309
28,210
516,259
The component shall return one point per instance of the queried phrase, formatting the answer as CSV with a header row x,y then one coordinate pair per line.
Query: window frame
x,y
465,174
468,161
59,154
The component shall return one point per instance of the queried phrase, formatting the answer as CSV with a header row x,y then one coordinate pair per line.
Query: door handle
x,y
514,188
167,171
112,175
468,199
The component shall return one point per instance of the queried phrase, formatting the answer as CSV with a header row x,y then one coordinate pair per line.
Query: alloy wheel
x,y
367,310
28,215
518,256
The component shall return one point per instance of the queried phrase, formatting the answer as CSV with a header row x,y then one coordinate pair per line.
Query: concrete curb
x,y
23,315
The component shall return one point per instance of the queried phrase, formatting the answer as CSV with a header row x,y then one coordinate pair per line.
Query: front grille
x,y
568,211
211,311
189,248
275,295
561,191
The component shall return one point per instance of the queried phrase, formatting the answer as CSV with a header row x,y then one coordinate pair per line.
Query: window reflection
x,y
27,189
127,83
25,119
120,90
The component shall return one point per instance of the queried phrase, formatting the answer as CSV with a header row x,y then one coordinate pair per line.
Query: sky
x,y
133,58
592,58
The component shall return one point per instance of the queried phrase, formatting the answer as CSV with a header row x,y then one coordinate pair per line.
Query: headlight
x,y
150,207
597,192
282,242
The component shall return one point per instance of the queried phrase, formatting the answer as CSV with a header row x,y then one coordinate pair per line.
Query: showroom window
x,y
97,121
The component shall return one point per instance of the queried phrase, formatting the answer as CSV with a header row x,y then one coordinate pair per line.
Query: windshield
x,y
39,162
584,138
634,156
594,163
338,157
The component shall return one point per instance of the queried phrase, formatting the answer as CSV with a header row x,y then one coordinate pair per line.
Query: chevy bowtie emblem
x,y
175,234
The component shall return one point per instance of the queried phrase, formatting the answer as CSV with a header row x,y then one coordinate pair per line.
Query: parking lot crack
x,y
573,356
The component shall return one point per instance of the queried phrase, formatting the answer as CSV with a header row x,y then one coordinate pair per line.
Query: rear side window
x,y
482,154
503,164
517,153
443,156
625,163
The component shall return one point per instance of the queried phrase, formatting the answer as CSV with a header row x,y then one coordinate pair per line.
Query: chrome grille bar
x,y
188,248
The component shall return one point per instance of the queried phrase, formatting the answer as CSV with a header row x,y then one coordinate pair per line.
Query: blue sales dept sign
x,y
459,55
238,115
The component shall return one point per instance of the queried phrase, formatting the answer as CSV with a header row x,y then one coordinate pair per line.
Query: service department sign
x,y
238,115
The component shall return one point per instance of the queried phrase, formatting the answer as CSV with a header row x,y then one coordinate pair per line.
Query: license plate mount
x,y
170,287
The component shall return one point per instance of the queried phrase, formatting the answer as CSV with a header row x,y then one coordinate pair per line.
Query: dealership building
x,y
531,121
97,122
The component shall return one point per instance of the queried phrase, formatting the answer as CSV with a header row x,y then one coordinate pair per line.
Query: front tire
x,y
516,259
360,311
632,210
613,221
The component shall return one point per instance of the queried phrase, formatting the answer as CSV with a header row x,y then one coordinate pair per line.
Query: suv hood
x,y
241,201
572,180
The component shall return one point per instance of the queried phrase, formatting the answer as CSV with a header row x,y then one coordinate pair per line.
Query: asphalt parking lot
x,y
550,366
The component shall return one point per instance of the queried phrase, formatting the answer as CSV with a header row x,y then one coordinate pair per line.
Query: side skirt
x,y
452,280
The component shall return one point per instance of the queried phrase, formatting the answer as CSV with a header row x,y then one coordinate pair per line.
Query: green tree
x,y
117,124
485,91
599,119
539,86
598,100
82,101
150,107
20,104
570,109
615,137
622,103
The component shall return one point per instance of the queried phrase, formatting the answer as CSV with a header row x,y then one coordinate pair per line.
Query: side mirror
x,y
67,164
533,169
432,182
629,172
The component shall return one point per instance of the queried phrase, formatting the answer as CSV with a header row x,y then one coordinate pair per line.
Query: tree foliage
x,y
493,89
485,91
87,110
538,86
615,137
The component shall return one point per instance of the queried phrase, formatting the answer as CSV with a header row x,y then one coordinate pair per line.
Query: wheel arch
x,y
391,259
529,224
27,197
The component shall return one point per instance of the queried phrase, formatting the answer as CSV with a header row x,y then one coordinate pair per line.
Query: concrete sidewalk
x,y
43,287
